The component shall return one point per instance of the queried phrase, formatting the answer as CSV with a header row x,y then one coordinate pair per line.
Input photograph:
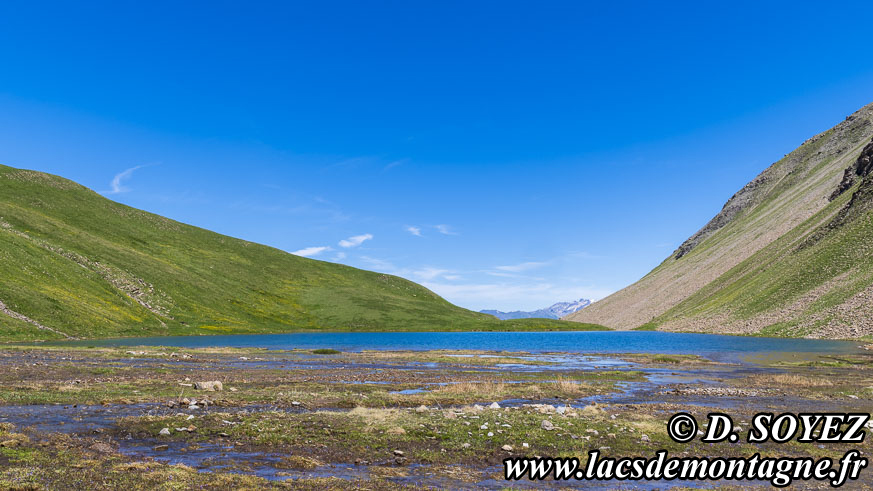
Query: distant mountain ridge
x,y
556,311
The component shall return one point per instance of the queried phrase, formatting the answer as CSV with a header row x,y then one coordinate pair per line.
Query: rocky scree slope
x,y
790,254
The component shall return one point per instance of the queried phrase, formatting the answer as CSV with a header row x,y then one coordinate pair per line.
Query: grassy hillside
x,y
787,255
74,264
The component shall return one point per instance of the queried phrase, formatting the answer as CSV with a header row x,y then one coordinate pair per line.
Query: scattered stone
x,y
494,405
399,453
164,432
161,448
490,433
421,409
223,435
190,417
561,410
506,448
233,389
525,445
547,425
193,406
477,408
484,427
9,443
466,445
295,403
645,438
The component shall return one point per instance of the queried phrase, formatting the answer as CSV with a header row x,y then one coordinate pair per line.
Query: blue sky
x,y
505,154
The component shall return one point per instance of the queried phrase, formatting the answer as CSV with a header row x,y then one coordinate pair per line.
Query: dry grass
x,y
792,380
569,386
471,387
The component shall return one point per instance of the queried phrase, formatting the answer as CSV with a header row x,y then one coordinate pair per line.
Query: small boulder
x,y
211,386
506,448
494,405
421,409
645,438
399,453
161,448
164,432
547,425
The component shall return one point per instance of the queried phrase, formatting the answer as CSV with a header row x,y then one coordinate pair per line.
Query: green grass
x,y
88,267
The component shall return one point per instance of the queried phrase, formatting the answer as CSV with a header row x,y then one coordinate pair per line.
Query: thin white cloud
x,y
430,273
339,256
518,268
311,251
355,241
117,184
379,265
416,231
445,230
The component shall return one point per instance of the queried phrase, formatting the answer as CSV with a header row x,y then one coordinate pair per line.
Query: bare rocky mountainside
x,y
790,254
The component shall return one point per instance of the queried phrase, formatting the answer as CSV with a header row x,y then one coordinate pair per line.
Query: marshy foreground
x,y
171,418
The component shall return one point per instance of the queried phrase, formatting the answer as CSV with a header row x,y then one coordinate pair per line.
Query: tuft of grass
x,y
326,351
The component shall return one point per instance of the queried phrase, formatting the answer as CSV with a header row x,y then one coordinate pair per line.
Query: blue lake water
x,y
709,345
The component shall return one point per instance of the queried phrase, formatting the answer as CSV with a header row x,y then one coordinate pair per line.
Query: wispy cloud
x,y
416,231
429,273
311,251
117,185
394,164
339,256
445,230
355,241
379,265
518,268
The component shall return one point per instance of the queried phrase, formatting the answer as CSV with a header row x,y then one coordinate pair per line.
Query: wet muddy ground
x,y
86,418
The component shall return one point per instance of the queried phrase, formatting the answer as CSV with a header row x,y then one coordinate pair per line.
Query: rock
x,y
171,404
164,432
466,445
295,403
223,435
213,385
191,429
547,409
506,448
852,396
233,389
490,433
160,448
525,445
477,408
421,409
547,425
190,417
494,405
185,401
243,358
193,406
9,443
484,427
399,453
645,438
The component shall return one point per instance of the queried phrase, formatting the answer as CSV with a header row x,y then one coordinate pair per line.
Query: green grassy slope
x,y
786,255
73,263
